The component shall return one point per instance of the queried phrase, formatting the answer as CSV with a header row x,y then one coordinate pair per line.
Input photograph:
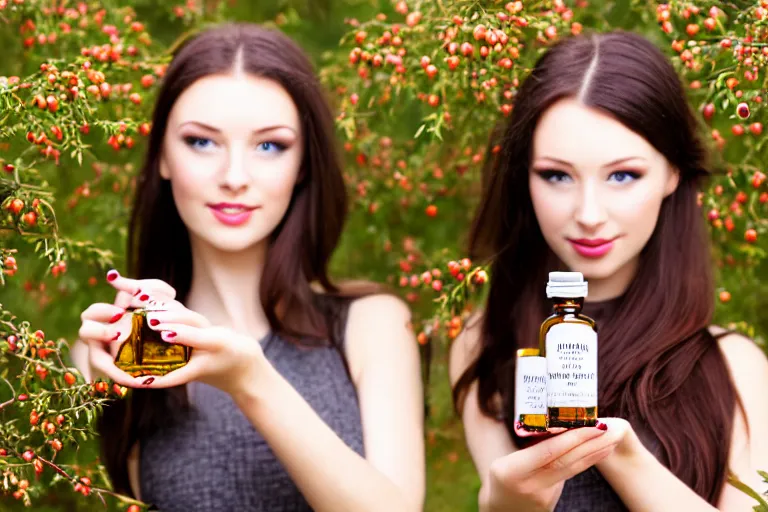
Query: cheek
x,y
638,210
552,210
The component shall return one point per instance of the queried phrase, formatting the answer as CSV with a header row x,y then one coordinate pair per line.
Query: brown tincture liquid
x,y
145,352
567,313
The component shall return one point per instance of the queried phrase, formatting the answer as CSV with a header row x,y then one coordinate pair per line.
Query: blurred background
x,y
418,87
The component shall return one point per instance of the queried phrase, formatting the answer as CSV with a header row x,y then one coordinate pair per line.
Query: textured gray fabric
x,y
214,460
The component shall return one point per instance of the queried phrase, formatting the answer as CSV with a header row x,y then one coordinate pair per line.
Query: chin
x,y
595,269
231,242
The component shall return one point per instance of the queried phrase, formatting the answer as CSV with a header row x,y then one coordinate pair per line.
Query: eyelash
x,y
191,140
548,174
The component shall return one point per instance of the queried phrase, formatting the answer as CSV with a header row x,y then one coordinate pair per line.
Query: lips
x,y
592,247
232,214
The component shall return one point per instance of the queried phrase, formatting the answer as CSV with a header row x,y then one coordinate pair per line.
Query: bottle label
x,y
571,365
530,385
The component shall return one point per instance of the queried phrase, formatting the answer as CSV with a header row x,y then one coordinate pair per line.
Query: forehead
x,y
570,131
235,102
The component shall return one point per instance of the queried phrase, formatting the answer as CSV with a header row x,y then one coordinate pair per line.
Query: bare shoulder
x,y
465,349
745,358
379,329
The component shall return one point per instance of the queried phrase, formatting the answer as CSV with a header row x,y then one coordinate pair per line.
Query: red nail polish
x,y
116,336
144,297
169,334
601,425
112,275
153,321
116,318
148,381
137,292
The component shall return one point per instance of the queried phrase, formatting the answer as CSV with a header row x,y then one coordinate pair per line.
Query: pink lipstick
x,y
592,247
232,214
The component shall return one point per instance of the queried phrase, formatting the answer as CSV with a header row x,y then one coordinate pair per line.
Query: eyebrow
x,y
259,130
609,164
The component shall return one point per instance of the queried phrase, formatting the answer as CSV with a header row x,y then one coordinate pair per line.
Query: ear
x,y
165,173
673,180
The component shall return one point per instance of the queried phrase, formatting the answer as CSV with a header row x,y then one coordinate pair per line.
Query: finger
x,y
157,320
103,361
535,457
155,287
577,460
187,373
97,331
195,337
101,312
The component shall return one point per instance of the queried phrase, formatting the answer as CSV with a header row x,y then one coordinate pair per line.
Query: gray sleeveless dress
x,y
214,460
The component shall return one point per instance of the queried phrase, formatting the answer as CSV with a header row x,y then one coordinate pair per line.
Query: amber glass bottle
x,y
568,341
531,390
145,352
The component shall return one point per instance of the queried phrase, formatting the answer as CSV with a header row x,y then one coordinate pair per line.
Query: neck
x,y
613,286
225,287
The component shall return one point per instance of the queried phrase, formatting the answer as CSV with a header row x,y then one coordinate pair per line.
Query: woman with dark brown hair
x,y
598,173
299,394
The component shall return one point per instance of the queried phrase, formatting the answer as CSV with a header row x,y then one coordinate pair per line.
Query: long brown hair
x,y
659,366
300,247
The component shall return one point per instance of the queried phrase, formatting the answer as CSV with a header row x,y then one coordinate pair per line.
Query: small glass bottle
x,y
568,341
531,390
144,352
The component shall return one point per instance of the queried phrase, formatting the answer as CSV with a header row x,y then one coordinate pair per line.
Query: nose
x,y
235,176
590,210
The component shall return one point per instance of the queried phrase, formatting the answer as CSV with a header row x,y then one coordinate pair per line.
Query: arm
x,y
749,370
487,438
384,362
530,479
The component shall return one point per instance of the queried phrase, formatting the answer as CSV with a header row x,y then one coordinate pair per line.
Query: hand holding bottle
x,y
532,479
106,326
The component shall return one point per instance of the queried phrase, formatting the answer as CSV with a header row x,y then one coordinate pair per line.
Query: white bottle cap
x,y
567,285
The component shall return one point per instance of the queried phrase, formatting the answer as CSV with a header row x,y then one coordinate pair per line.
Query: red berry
x,y
741,197
708,110
3,452
737,130
742,110
431,210
16,206
30,218
431,70
437,285
69,379
756,128
56,445
28,455
133,508
750,236
433,100
710,24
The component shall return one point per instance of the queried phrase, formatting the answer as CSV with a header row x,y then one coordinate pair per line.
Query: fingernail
x,y
602,426
153,321
148,381
144,297
518,425
116,336
137,292
117,317
112,275
167,335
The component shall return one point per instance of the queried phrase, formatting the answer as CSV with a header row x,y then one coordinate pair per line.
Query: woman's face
x,y
597,189
232,152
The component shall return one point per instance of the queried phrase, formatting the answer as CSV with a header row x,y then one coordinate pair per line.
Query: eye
x,y
271,147
624,176
553,176
198,143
